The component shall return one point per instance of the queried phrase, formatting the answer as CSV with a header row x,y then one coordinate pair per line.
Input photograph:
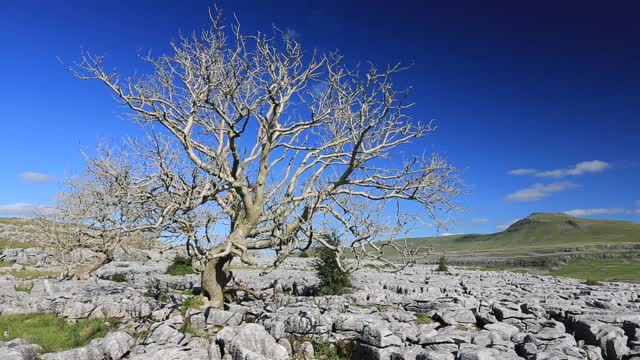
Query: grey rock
x,y
452,316
505,330
248,339
222,318
435,355
365,351
475,352
379,337
90,352
18,349
116,344
171,352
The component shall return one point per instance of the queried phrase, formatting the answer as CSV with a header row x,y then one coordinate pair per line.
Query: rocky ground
x,y
414,314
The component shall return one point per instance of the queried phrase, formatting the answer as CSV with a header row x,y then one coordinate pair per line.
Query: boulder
x,y
117,344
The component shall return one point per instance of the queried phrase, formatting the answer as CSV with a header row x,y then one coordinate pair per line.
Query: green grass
x,y
6,244
422,318
117,277
181,266
52,332
601,269
33,274
26,289
6,263
195,302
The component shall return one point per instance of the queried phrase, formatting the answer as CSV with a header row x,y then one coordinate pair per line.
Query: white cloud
x,y
585,167
503,227
591,212
18,209
539,191
449,234
478,221
35,177
581,168
519,172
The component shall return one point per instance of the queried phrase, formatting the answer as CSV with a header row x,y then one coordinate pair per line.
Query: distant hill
x,y
539,231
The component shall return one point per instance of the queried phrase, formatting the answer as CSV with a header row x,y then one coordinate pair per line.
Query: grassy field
x,y
585,269
52,332
601,269
540,231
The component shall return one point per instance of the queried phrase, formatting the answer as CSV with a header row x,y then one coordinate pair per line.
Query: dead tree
x,y
102,210
260,146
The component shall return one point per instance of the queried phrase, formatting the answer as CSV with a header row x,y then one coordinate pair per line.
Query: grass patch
x,y
596,270
33,274
6,244
181,266
195,302
26,289
330,351
6,263
52,332
422,318
117,277
592,282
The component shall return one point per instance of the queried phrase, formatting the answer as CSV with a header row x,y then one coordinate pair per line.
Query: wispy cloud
x,y
450,234
539,191
18,209
503,227
585,167
581,168
35,177
638,203
519,172
592,212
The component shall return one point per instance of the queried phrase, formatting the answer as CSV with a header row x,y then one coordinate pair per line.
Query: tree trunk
x,y
214,279
83,271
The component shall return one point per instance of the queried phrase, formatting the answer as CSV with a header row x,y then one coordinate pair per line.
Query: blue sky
x,y
550,89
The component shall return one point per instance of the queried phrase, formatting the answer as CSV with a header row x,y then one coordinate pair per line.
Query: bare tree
x,y
103,209
254,140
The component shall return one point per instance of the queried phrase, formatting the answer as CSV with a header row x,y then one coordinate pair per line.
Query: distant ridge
x,y
540,230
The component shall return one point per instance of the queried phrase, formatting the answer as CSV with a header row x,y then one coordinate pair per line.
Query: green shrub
x,y
333,281
194,302
592,282
340,350
181,266
26,289
443,264
117,277
304,254
422,318
6,263
158,291
51,332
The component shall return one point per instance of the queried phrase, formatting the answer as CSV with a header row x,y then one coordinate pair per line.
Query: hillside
x,y
540,231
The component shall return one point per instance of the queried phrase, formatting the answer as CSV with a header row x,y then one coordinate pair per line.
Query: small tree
x,y
255,145
443,264
102,210
333,279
